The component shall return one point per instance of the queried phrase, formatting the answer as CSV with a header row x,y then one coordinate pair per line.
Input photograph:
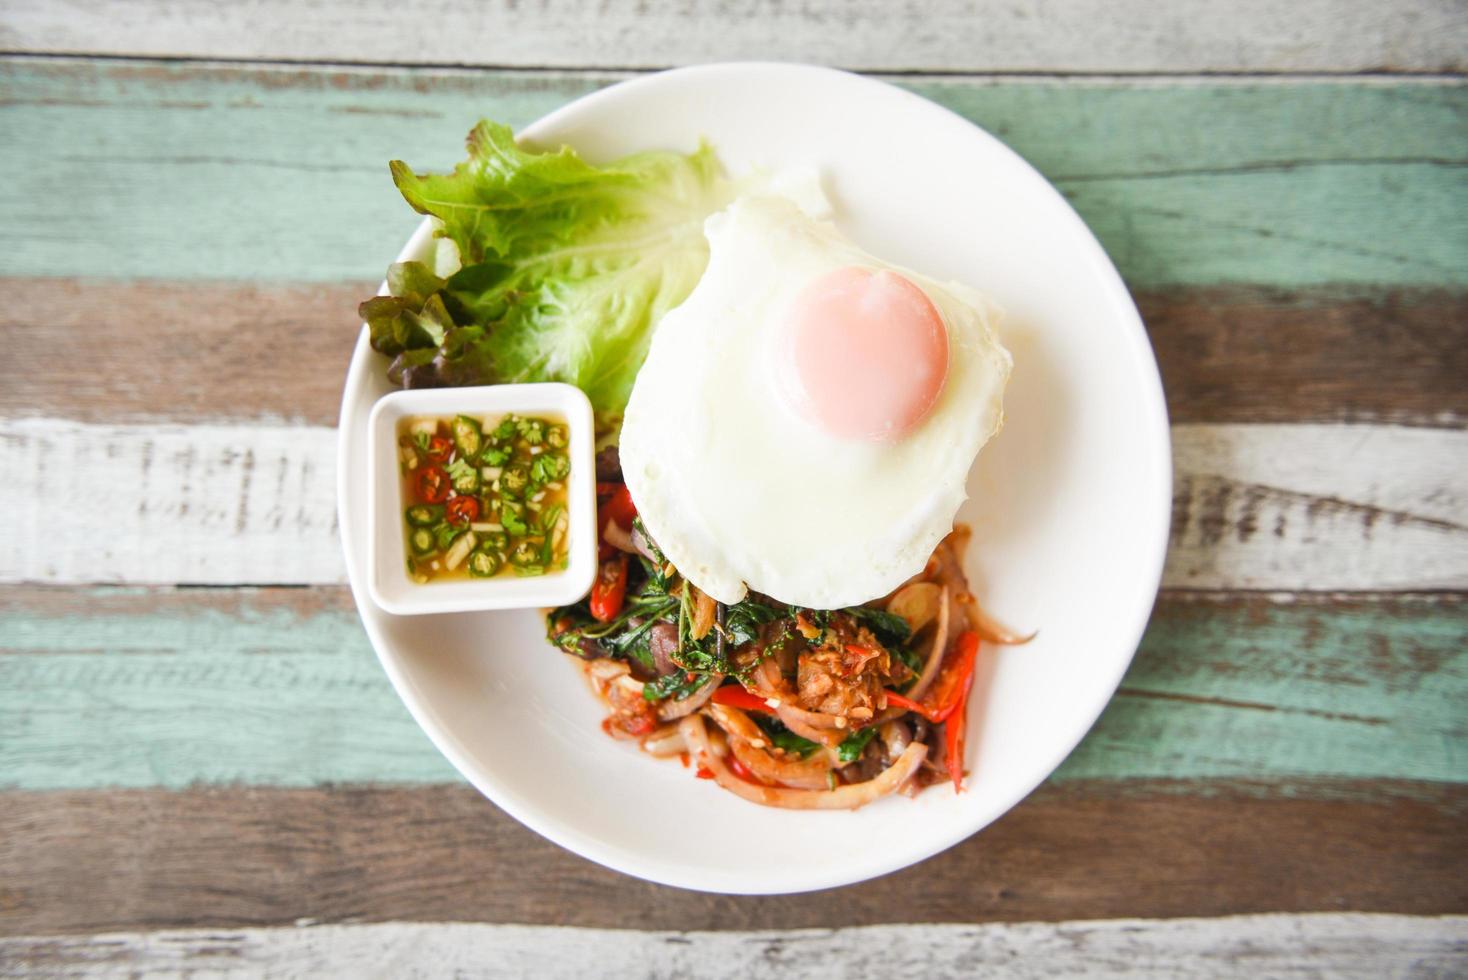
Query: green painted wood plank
x,y
278,687
1248,688
136,170
200,689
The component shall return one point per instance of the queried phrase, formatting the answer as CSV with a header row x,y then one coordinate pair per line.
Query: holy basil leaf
x,y
892,630
853,745
678,685
910,658
635,644
783,738
743,620
696,655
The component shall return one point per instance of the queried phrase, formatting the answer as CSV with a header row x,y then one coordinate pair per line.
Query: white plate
x,y
1070,503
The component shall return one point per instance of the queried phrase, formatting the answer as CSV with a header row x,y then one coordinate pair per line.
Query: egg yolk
x,y
866,354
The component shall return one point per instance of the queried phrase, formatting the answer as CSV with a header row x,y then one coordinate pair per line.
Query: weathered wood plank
x,y
279,352
1337,945
949,35
1286,507
180,351
1246,355
168,503
126,687
1288,184
1335,504
82,862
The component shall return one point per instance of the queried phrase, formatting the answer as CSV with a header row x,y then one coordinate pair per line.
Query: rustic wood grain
x,y
127,687
1340,945
93,862
211,351
947,35
188,171
1262,506
1288,507
1256,355
178,351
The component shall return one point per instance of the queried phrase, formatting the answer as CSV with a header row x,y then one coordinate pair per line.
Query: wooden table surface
x,y
202,767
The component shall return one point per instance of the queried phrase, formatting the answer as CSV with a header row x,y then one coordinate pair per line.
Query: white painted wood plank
x,y
210,504
1261,946
1279,507
873,35
1319,507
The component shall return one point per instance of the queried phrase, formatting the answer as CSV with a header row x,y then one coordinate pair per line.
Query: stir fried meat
x,y
811,709
846,673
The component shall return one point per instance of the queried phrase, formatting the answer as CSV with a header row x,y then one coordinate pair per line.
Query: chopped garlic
x,y
458,551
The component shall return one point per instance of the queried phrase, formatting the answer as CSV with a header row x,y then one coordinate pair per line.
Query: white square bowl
x,y
388,580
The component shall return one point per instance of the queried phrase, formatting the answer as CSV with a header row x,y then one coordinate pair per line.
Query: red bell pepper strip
x,y
609,589
953,741
951,686
953,681
734,696
619,508
908,703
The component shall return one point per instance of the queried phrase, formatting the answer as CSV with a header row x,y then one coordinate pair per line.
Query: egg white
x,y
741,492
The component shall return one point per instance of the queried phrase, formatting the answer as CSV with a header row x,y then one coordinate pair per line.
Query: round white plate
x,y
1070,503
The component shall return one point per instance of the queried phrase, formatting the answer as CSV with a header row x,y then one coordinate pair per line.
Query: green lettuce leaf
x,y
567,267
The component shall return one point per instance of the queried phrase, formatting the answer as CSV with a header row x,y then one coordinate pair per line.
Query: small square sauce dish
x,y
481,498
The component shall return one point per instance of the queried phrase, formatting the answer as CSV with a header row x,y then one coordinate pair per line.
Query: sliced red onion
x,y
670,710
841,798
935,651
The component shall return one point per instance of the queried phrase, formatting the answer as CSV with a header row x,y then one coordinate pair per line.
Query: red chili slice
x,y
742,771
440,448
737,697
609,589
432,484
620,509
461,510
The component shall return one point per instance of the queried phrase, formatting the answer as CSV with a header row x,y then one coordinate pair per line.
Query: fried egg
x,y
805,420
